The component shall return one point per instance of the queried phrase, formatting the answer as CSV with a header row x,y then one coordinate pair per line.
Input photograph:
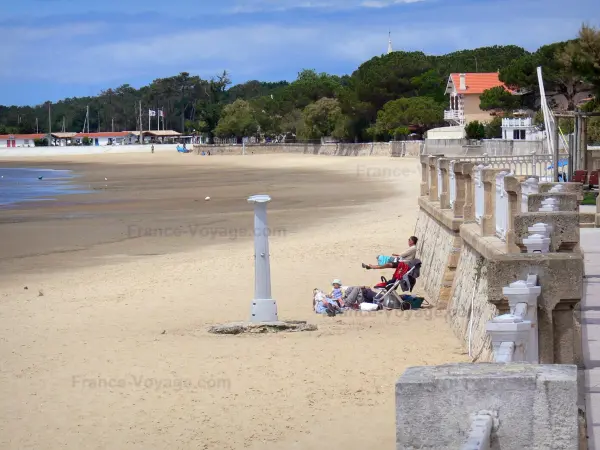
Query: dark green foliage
x,y
498,98
475,130
493,129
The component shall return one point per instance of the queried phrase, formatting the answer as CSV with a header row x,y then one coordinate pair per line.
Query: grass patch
x,y
589,198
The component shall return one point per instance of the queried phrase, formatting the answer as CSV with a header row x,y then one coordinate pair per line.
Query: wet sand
x,y
103,333
155,204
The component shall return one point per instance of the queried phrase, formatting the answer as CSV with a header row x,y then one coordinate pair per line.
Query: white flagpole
x,y
149,123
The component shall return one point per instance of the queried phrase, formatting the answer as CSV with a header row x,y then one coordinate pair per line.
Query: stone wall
x,y
491,147
452,147
394,148
435,247
469,309
509,147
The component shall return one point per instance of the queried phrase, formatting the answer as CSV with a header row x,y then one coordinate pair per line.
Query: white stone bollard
x,y
479,437
537,243
541,228
549,205
264,308
526,292
509,329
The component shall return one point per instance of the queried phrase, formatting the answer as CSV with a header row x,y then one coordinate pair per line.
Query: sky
x,y
54,49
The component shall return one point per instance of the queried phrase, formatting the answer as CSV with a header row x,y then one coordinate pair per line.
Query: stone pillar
x,y
433,179
424,175
444,167
512,186
532,406
488,221
469,208
459,202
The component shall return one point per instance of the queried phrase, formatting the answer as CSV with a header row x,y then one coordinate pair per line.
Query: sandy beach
x,y
105,305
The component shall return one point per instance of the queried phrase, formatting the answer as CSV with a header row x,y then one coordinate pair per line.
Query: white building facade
x,y
19,140
520,129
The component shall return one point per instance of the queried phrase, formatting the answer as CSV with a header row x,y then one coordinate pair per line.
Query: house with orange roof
x,y
464,90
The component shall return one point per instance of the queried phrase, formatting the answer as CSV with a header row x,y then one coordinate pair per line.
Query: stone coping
x,y
493,248
444,216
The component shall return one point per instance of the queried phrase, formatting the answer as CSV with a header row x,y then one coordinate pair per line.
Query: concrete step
x,y
587,225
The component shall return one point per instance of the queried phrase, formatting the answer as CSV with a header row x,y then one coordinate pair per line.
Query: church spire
x,y
390,49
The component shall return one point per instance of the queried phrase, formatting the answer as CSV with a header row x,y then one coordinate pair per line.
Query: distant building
x,y
520,129
464,90
104,138
19,140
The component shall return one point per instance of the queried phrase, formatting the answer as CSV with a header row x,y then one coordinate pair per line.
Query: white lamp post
x,y
264,308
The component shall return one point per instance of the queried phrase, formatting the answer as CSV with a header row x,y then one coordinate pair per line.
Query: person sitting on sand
x,y
325,304
337,294
408,255
392,263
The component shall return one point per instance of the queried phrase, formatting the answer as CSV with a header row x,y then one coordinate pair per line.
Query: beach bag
x,y
415,302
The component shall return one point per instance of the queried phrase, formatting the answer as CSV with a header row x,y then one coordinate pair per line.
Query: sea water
x,y
29,184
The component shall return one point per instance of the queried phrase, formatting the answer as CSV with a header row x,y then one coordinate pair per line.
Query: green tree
x,y
498,98
321,118
493,129
583,56
559,73
397,116
210,102
475,130
237,121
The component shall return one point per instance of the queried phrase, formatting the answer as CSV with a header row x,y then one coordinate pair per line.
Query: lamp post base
x,y
264,311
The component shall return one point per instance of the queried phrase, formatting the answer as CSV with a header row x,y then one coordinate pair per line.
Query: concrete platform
x,y
590,306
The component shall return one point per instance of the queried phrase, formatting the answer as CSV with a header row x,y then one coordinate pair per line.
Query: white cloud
x,y
246,6
385,3
105,54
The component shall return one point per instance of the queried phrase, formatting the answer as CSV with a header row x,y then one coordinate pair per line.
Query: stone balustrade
x,y
480,240
501,253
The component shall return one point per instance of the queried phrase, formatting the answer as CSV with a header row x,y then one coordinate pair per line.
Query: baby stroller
x,y
405,278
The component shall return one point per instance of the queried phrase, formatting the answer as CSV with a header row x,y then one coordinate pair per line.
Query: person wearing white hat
x,y
337,295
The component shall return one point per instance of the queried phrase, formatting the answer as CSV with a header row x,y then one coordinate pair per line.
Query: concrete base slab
x,y
291,326
536,406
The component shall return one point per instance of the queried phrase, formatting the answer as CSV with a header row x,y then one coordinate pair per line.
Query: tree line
x,y
387,97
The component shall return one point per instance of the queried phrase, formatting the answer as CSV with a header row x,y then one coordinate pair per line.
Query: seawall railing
x,y
533,164
514,278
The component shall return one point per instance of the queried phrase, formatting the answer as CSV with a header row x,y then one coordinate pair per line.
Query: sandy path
x,y
87,365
